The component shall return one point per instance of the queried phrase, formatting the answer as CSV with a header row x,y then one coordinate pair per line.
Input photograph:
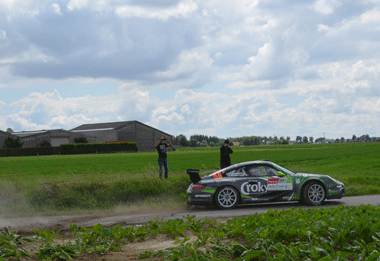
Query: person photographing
x,y
161,146
225,151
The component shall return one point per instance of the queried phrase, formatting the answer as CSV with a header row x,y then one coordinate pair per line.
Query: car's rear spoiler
x,y
194,175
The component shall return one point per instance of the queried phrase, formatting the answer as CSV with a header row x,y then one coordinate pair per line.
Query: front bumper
x,y
336,193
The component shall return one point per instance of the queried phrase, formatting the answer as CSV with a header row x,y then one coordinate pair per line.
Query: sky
x,y
221,68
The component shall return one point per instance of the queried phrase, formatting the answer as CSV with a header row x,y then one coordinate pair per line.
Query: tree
x,y
212,144
342,139
298,139
204,143
45,143
183,141
11,142
353,138
80,140
311,139
305,139
193,142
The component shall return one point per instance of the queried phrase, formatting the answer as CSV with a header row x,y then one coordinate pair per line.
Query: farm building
x,y
135,131
55,137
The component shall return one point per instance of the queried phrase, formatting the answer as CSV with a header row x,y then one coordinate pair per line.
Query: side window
x,y
239,172
271,171
260,171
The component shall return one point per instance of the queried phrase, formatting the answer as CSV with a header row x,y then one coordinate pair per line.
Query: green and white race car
x,y
260,181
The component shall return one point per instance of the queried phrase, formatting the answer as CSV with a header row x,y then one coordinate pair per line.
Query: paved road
x,y
63,222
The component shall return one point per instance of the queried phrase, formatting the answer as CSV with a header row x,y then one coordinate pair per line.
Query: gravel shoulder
x,y
27,224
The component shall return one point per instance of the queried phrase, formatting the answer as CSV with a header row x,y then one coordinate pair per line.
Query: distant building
x,y
134,131
55,137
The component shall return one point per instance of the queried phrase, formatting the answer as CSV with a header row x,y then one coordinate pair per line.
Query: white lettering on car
x,y
247,188
203,196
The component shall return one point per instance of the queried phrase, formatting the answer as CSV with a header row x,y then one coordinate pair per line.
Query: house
x,y
145,136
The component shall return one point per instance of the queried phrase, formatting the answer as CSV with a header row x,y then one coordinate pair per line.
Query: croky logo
x,y
247,188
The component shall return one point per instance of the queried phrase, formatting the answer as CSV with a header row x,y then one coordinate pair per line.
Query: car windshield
x,y
284,169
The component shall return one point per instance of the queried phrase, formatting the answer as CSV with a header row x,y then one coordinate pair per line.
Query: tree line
x,y
205,141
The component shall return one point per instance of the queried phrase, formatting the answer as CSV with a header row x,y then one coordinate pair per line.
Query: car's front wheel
x,y
313,194
227,197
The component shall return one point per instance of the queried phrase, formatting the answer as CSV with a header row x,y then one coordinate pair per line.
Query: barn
x,y
145,136
55,137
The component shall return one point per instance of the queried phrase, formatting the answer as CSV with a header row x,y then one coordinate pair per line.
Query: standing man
x,y
161,146
225,151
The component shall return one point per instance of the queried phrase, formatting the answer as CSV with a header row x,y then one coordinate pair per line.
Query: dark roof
x,y
22,134
110,126
99,126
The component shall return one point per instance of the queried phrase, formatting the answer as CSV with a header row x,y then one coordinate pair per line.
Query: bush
x,y
80,140
88,148
14,152
45,143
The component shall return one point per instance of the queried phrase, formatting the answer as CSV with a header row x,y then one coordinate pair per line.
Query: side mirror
x,y
280,174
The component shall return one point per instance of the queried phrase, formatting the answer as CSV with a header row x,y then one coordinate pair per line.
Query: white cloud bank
x,y
231,68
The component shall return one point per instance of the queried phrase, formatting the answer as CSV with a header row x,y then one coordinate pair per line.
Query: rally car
x,y
260,181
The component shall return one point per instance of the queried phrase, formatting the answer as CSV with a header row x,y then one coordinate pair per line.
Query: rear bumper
x,y
200,199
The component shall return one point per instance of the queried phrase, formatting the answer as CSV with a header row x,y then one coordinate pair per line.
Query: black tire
x,y
227,197
313,194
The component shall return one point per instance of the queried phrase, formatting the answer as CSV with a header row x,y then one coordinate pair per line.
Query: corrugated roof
x,y
102,126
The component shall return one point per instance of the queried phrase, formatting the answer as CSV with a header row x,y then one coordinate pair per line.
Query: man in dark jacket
x,y
161,147
225,152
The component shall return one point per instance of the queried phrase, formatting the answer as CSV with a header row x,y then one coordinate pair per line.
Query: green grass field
x,y
57,184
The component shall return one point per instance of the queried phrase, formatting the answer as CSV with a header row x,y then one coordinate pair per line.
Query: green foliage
x,y
87,148
15,152
11,142
80,140
336,233
45,143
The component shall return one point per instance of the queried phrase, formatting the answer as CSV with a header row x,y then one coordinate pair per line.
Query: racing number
x,y
217,176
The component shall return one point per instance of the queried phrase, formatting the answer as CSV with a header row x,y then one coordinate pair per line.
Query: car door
x,y
255,185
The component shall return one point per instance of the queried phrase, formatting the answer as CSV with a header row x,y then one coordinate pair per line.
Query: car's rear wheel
x,y
313,194
227,197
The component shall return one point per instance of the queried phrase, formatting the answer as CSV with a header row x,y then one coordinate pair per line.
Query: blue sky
x,y
220,68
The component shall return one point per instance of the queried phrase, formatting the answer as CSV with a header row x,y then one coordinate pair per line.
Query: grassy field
x,y
57,184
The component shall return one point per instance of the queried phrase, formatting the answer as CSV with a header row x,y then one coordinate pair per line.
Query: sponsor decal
x,y
256,188
273,181
217,175
298,181
254,199
279,184
206,181
203,196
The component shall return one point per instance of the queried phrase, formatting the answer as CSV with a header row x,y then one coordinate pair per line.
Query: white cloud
x,y
183,9
3,34
77,4
326,7
57,8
